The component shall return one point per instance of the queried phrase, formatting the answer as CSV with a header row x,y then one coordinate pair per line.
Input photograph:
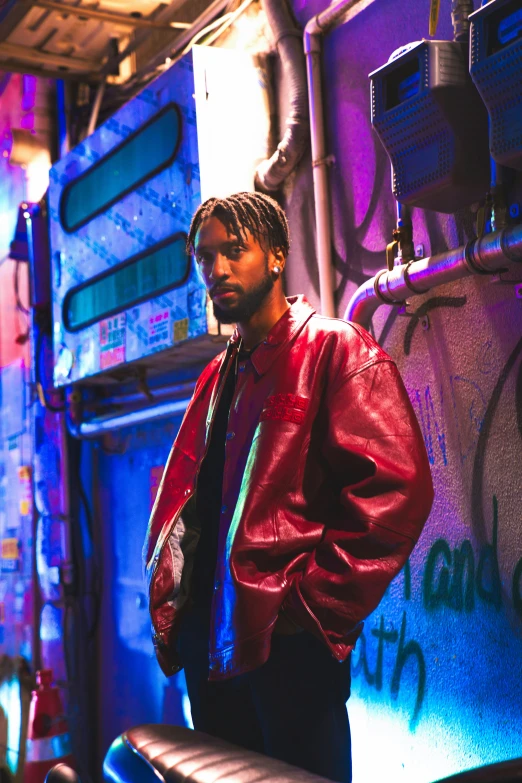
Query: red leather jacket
x,y
326,489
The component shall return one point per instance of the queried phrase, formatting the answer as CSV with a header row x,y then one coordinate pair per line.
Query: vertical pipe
x,y
320,175
460,11
319,25
33,330
93,119
61,119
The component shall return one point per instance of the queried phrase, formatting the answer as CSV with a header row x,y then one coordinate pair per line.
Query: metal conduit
x,y
483,256
95,428
125,402
272,173
318,26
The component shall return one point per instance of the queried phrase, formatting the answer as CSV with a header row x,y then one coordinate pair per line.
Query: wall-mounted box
x,y
496,68
433,125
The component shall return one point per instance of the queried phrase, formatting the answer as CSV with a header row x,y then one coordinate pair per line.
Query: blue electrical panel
x,y
125,292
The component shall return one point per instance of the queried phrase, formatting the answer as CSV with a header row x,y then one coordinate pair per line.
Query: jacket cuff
x,y
300,613
167,657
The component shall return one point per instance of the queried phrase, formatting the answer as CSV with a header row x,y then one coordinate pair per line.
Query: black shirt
x,y
209,495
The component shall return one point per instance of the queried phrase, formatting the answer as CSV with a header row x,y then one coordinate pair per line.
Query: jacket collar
x,y
280,335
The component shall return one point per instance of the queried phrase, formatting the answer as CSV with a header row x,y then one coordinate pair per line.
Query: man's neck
x,y
257,327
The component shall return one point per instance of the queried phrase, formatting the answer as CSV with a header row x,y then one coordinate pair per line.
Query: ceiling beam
x,y
106,16
26,54
15,66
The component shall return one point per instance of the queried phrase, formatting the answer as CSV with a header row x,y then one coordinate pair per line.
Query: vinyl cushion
x,y
155,753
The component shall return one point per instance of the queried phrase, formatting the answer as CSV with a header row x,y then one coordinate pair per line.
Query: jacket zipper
x,y
177,516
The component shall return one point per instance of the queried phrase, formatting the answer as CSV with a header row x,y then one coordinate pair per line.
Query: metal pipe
x,y
107,405
97,427
271,173
93,119
482,256
35,56
460,11
318,26
62,123
108,16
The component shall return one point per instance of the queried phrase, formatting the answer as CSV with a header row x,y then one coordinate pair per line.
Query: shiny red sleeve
x,y
375,456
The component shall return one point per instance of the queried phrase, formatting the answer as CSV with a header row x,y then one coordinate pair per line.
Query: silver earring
x,y
277,270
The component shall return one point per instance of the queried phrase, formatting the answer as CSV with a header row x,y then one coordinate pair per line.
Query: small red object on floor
x,y
48,740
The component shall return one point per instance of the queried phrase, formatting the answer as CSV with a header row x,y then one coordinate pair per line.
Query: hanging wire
x,y
19,305
44,402
22,337
228,23
202,33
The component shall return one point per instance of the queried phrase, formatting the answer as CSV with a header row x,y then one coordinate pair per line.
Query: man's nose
x,y
219,267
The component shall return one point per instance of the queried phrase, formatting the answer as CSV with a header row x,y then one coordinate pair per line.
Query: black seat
x,y
154,753
61,773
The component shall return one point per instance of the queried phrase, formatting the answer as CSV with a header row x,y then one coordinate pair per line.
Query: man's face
x,y
236,271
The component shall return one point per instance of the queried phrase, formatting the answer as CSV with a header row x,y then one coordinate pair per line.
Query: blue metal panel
x,y
158,208
126,469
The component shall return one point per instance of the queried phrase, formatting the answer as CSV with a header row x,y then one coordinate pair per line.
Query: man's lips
x,y
223,293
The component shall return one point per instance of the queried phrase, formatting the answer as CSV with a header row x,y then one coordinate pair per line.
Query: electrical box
x,y
433,125
496,68
126,297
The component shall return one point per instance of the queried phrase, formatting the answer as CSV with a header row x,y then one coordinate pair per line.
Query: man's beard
x,y
247,306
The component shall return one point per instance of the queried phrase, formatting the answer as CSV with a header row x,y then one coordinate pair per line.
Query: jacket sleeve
x,y
375,459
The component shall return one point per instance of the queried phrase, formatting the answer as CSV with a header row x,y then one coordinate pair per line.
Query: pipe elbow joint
x,y
271,173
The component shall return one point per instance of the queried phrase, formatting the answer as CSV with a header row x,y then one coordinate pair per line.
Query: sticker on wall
x,y
181,330
86,357
26,490
196,302
112,341
13,399
10,555
160,329
64,363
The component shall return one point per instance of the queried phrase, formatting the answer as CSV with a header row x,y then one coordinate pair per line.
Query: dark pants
x,y
292,708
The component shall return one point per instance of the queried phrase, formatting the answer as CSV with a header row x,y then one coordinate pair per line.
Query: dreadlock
x,y
255,212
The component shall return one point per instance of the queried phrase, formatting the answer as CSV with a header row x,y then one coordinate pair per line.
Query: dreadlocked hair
x,y
255,212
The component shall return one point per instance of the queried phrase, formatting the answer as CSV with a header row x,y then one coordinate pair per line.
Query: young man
x,y
295,491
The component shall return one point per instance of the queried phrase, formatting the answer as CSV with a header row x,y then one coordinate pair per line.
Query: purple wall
x,y
436,672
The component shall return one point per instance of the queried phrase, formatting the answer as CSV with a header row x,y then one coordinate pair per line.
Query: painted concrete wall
x,y
23,104
436,673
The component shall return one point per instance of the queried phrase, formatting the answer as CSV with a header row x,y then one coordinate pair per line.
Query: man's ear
x,y
278,258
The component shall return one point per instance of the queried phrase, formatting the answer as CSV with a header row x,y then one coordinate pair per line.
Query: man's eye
x,y
235,251
201,259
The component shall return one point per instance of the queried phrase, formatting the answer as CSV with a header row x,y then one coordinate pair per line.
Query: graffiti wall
x,y
17,109
435,674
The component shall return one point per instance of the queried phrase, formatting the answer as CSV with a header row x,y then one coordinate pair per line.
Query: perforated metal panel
x,y
434,127
496,67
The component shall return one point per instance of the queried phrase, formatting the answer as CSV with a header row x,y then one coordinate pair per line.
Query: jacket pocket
x,y
181,547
